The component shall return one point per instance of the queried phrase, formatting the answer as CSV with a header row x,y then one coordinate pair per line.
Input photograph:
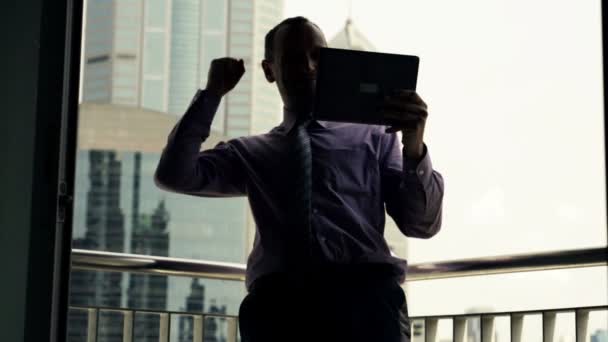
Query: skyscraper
x,y
149,236
199,34
254,106
104,230
195,302
212,331
155,54
203,30
126,53
151,56
204,228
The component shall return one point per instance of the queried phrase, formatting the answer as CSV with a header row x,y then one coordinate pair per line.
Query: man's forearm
x,y
419,199
176,167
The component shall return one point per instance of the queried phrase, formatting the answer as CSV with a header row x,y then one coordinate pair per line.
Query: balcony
x,y
478,326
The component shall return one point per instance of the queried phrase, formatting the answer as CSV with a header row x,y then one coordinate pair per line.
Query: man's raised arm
x,y
215,172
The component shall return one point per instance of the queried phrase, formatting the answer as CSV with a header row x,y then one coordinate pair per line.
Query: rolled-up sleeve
x,y
413,195
183,168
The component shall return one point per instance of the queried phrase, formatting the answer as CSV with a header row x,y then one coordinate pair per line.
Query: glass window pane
x,y
154,53
155,13
215,14
153,95
240,27
214,46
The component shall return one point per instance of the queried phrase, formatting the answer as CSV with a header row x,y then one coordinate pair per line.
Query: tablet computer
x,y
351,84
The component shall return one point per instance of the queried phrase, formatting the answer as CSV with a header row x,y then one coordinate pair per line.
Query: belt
x,y
326,275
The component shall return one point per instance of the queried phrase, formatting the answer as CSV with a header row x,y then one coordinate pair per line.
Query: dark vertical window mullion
x,y
67,167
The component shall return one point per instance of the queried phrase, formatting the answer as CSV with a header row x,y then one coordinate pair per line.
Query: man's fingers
x,y
407,95
397,105
394,129
398,116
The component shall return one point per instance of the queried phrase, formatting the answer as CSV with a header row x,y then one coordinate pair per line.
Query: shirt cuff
x,y
418,170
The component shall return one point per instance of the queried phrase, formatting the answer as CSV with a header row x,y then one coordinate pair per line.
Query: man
x,y
320,269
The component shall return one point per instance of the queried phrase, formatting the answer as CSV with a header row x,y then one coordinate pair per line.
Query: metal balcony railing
x,y
121,262
424,328
126,331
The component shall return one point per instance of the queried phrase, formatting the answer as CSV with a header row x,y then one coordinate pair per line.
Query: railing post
x,y
92,325
163,335
460,329
430,329
517,322
197,322
548,326
487,328
582,323
232,329
127,326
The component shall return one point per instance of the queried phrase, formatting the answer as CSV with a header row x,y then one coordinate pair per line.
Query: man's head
x,y
291,59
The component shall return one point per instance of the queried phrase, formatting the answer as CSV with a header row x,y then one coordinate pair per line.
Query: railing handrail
x,y
137,263
122,262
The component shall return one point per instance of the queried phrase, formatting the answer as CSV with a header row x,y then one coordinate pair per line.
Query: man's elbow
x,y
165,180
161,181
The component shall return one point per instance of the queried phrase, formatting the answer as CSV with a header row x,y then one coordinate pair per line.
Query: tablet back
x,y
351,84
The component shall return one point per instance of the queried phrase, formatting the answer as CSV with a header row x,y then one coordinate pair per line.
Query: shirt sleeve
x,y
413,195
183,168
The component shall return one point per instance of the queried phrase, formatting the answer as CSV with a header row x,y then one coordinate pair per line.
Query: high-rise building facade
x,y
195,302
142,63
104,229
199,34
213,327
155,54
254,106
149,236
126,55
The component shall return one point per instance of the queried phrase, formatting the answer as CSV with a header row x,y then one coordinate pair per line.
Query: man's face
x,y
294,66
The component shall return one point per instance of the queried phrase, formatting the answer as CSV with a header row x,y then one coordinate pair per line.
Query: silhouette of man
x,y
336,281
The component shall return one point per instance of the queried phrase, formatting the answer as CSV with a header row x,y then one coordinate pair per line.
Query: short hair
x,y
269,39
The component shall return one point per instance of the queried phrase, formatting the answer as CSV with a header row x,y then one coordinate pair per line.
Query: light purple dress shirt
x,y
357,173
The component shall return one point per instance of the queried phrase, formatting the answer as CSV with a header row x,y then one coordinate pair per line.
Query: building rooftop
x,y
351,38
105,126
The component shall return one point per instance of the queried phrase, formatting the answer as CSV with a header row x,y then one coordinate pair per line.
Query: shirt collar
x,y
289,120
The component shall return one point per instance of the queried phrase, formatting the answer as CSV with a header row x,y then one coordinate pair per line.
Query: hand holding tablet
x,y
366,87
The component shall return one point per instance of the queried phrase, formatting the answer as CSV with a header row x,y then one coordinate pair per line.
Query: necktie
x,y
300,213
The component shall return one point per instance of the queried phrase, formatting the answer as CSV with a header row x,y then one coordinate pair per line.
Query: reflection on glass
x,y
142,63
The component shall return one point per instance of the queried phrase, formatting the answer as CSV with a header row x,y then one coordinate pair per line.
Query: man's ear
x,y
268,71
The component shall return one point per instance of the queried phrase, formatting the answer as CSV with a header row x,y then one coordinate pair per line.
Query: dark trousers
x,y
355,306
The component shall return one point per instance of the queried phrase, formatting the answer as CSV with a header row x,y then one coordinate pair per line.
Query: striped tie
x,y
302,190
